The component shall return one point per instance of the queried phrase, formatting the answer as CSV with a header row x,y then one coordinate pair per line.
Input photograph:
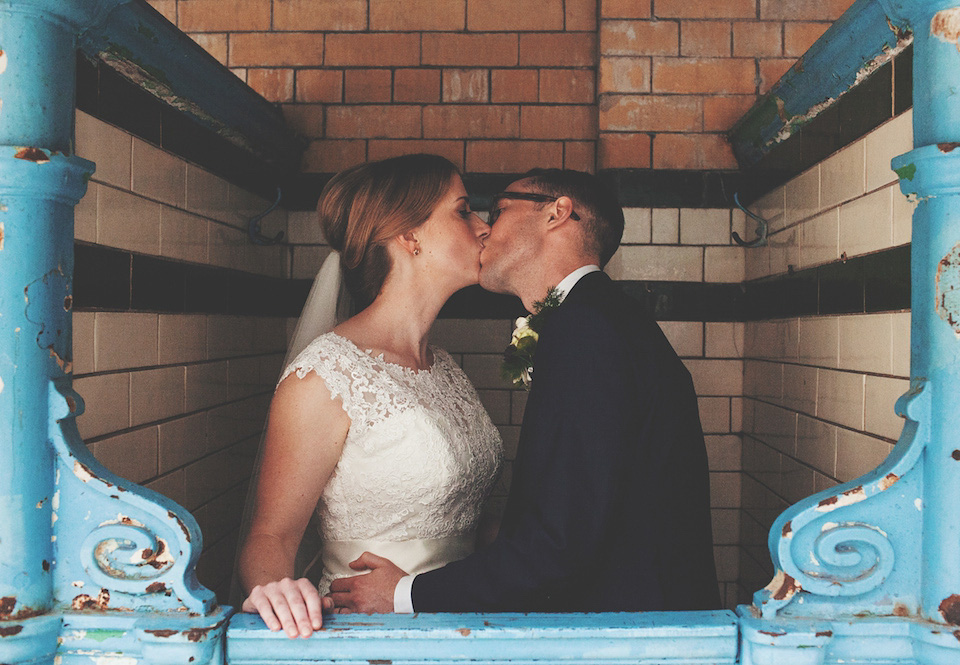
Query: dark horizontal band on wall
x,y
887,93
117,280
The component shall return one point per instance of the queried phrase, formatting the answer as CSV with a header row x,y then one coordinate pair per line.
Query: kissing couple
x,y
384,439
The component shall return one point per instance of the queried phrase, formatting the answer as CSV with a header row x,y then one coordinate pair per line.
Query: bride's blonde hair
x,y
365,206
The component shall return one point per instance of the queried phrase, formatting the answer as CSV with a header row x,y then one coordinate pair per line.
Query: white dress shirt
x,y
403,592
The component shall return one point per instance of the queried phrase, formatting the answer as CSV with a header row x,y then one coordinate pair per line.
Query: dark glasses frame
x,y
523,196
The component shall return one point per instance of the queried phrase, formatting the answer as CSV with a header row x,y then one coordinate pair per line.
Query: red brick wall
x,y
502,85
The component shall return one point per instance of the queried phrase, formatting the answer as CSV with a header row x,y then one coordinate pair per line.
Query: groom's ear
x,y
563,207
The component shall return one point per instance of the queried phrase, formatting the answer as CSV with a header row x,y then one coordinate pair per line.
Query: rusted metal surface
x,y
948,288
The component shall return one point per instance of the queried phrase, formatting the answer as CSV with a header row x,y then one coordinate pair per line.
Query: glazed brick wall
x,y
497,85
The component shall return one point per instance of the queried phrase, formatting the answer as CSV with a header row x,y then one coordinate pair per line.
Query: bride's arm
x,y
305,435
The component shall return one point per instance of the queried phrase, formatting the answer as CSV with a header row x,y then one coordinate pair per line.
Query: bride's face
x,y
451,239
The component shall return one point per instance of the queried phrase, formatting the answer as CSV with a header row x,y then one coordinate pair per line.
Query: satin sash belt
x,y
413,556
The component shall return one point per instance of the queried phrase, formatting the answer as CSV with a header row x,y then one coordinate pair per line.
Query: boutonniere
x,y
518,358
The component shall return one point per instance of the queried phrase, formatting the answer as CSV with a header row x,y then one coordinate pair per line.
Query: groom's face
x,y
513,247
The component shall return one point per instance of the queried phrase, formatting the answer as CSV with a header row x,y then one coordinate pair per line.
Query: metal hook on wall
x,y
253,226
762,227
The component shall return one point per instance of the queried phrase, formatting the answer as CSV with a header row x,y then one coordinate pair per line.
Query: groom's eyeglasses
x,y
522,196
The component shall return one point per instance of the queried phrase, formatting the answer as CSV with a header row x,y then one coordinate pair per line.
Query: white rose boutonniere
x,y
518,358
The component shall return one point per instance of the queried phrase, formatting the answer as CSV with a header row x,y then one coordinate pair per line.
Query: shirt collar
x,y
568,282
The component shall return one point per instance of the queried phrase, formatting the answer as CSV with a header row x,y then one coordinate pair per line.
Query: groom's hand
x,y
371,593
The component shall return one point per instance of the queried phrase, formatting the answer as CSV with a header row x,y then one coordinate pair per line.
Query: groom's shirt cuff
x,y
403,595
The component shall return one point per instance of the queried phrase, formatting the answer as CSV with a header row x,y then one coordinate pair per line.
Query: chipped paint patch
x,y
787,531
948,147
782,586
3,62
945,26
114,660
1,236
82,472
31,154
847,498
888,481
10,631
950,609
948,288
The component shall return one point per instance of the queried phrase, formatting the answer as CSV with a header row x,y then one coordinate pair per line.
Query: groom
x,y
609,507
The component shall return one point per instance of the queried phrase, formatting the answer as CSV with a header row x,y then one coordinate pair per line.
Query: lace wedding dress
x,y
420,457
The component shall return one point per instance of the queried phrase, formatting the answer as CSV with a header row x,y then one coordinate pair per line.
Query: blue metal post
x,y
38,189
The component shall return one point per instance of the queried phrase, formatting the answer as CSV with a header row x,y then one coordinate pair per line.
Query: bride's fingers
x,y
259,603
313,602
278,601
298,610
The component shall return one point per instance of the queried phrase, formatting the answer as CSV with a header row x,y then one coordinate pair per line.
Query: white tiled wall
x,y
176,401
819,391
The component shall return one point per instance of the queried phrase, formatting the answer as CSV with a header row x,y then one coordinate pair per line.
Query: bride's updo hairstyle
x,y
362,208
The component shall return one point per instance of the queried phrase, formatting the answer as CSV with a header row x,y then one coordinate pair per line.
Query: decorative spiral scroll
x,y
125,551
846,559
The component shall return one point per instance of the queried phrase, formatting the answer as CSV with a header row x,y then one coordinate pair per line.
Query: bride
x,y
371,427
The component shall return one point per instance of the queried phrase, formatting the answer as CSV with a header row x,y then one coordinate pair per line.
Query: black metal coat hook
x,y
762,227
253,226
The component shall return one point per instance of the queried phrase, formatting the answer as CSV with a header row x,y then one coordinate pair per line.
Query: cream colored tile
x,y
665,226
736,414
820,239
307,260
761,462
901,343
840,397
775,340
85,215
106,146
127,221
271,366
866,223
817,444
243,377
772,208
229,336
686,337
484,370
303,228
132,455
182,338
902,217
724,489
714,414
858,454
207,194
798,480
182,441
183,236
740,224
823,483
800,388
170,486
723,451
518,405
842,175
206,385
158,174
704,226
724,340
866,342
757,263
269,335
84,349
724,264
775,427
676,264
726,526
227,246
106,400
763,380
497,404
784,250
887,141
802,196
245,204
880,394
156,394
727,561
271,225
819,341
636,226
125,340
471,335
511,440
716,377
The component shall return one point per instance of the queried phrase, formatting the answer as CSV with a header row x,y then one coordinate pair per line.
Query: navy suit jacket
x,y
609,505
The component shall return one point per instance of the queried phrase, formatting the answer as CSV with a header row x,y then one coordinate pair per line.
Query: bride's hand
x,y
293,605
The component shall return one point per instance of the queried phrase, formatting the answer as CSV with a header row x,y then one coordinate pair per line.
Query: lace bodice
x,y
421,454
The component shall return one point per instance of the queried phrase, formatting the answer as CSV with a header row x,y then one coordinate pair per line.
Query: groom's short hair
x,y
601,217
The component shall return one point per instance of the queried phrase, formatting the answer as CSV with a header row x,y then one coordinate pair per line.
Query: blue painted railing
x,y
94,568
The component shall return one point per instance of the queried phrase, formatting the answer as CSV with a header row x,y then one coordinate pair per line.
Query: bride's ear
x,y
408,243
